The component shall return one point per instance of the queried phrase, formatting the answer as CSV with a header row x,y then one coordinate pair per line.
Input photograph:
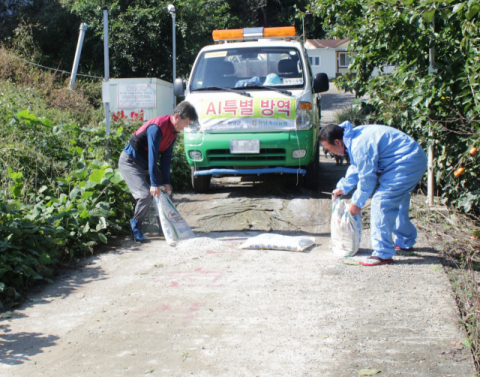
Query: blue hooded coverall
x,y
398,163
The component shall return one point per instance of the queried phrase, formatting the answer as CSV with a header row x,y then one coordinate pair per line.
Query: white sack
x,y
278,242
346,230
174,227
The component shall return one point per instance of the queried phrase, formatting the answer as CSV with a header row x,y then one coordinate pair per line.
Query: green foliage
x,y
140,31
29,27
141,34
180,170
414,98
61,195
356,114
60,198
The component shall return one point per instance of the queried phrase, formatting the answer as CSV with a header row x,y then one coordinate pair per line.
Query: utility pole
x,y
81,37
171,9
431,171
306,13
106,86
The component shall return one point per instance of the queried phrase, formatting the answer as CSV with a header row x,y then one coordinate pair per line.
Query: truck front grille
x,y
267,154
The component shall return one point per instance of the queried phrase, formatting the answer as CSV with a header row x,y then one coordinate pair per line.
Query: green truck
x,y
258,106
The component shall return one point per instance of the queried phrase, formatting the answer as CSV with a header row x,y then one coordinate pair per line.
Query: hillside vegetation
x,y
61,193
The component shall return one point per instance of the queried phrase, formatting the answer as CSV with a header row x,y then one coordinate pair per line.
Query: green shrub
x,y
61,191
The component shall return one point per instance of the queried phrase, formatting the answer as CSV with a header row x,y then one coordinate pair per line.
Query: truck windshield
x,y
252,66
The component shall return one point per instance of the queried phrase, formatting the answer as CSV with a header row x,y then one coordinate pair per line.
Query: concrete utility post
x,y
306,13
81,37
431,175
171,9
106,84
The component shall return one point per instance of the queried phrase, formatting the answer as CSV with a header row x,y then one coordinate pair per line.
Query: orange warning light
x,y
254,33
287,31
304,106
227,34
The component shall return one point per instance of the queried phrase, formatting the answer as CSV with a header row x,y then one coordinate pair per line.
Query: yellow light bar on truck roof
x,y
254,33
227,34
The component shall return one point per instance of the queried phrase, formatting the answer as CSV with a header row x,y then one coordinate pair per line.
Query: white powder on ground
x,y
205,244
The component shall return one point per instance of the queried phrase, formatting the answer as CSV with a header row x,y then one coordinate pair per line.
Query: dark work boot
x,y
136,231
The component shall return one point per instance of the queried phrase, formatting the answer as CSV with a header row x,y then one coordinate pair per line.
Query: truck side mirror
x,y
320,84
179,86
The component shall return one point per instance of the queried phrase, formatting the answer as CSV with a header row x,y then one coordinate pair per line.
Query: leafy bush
x,y
59,198
61,191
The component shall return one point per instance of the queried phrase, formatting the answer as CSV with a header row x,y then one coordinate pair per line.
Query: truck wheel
x,y
200,183
313,171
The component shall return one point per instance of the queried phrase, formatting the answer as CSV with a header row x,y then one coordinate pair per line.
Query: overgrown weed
x,y
47,93
357,113
453,235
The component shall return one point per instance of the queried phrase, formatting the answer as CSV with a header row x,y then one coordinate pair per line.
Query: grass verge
x,y
454,235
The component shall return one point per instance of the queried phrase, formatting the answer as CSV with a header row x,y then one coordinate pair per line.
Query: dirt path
x,y
209,308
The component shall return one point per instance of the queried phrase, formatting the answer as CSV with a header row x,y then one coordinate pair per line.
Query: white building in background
x,y
331,56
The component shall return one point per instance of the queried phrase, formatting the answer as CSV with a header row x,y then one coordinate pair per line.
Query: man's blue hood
x,y
347,135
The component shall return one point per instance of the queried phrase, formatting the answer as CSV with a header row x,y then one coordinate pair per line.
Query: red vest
x,y
139,139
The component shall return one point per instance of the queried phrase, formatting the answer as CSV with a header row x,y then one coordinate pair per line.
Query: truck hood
x,y
264,111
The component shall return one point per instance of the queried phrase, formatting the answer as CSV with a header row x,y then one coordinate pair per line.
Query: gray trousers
x,y
135,174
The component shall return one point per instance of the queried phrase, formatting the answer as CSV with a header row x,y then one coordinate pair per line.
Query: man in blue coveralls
x,y
138,161
393,159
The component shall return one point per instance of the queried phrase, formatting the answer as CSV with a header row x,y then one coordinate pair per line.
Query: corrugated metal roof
x,y
327,43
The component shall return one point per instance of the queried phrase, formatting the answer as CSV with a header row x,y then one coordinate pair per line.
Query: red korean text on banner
x,y
283,107
211,110
267,107
246,107
231,107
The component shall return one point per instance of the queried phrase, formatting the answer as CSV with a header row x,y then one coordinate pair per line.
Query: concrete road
x,y
210,308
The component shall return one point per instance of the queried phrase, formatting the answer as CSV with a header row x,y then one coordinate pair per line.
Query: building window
x,y
343,59
314,60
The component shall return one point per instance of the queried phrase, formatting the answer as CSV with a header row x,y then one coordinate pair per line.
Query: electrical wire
x,y
52,69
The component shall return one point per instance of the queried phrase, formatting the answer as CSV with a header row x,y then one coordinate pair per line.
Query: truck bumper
x,y
279,170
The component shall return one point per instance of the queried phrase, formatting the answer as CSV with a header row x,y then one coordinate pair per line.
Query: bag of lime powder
x,y
346,230
174,227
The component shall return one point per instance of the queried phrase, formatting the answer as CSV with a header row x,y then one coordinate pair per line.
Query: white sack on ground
x,y
346,230
174,227
278,242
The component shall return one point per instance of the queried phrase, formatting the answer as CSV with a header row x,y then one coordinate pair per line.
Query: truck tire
x,y
200,183
313,171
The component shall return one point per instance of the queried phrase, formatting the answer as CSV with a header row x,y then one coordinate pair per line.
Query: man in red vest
x,y
139,160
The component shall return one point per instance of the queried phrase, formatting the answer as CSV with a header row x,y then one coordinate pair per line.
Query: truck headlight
x,y
299,153
193,127
304,116
195,155
304,119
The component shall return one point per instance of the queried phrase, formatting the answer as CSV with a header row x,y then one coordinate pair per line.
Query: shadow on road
x,y
17,348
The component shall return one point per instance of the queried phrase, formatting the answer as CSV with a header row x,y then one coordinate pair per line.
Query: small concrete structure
x,y
140,98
